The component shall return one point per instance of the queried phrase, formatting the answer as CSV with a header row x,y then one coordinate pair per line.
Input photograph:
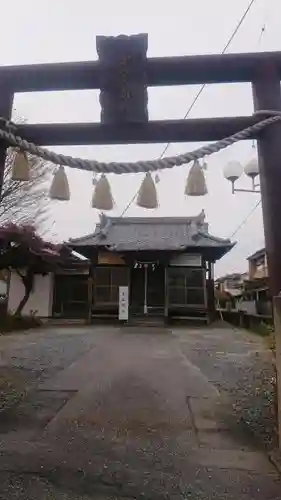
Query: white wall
x,y
41,298
3,287
248,306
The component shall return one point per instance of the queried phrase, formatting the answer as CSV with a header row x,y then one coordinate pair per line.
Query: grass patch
x,y
263,329
10,323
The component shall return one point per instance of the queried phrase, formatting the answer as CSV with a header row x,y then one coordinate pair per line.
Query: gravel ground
x,y
29,358
111,414
255,400
242,367
247,377
12,387
46,351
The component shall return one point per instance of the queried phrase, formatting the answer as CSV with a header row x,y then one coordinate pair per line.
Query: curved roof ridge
x,y
156,220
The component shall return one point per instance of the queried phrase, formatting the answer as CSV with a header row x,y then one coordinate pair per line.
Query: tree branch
x,y
19,273
22,202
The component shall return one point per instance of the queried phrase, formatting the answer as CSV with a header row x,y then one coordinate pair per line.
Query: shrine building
x,y
166,263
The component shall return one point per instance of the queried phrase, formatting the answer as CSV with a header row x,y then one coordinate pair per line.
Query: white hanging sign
x,y
123,303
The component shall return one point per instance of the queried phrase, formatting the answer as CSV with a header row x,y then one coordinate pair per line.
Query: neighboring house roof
x,y
257,283
257,254
227,294
233,283
234,292
233,276
152,233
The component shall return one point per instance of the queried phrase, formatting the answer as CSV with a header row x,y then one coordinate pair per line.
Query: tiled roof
x,y
233,276
257,254
157,233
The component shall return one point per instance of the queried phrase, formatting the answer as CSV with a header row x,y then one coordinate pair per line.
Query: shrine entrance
x,y
123,74
148,289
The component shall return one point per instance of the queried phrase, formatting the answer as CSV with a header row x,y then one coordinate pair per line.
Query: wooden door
x,y
137,292
155,287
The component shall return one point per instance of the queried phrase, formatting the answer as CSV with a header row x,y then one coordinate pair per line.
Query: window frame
x,y
113,287
187,287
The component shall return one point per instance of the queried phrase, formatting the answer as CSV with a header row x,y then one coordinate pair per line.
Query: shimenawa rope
x,y
8,133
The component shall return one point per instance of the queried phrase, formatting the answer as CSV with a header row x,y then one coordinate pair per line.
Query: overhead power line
x,y
196,98
245,220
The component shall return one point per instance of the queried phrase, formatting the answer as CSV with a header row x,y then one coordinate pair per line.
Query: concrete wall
x,y
41,299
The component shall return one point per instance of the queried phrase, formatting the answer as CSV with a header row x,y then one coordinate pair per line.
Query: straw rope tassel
x,y
20,168
59,189
196,184
147,196
102,197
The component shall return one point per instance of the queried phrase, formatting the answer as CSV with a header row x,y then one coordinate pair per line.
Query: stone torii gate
x,y
123,73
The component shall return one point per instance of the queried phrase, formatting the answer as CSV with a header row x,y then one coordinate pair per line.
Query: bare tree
x,y
26,202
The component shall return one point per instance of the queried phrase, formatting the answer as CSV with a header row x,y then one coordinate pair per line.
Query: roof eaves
x,y
216,239
257,254
81,239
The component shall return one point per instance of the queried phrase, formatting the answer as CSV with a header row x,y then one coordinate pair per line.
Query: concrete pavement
x,y
130,413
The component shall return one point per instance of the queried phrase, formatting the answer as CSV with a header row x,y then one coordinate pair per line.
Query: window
x,y
107,282
71,295
260,262
186,286
233,284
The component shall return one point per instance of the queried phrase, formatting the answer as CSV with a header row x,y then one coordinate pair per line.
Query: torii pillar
x,y
6,108
267,96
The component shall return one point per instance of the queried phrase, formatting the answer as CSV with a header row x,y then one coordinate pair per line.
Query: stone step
x,y
65,321
147,321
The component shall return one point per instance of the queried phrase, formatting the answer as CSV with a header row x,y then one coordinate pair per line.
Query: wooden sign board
x,y
123,303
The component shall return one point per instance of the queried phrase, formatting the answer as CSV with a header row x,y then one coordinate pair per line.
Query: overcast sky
x,y
64,30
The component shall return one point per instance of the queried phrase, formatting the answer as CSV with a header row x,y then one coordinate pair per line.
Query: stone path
x,y
130,413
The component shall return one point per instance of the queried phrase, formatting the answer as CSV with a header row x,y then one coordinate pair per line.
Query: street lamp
x,y
233,171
